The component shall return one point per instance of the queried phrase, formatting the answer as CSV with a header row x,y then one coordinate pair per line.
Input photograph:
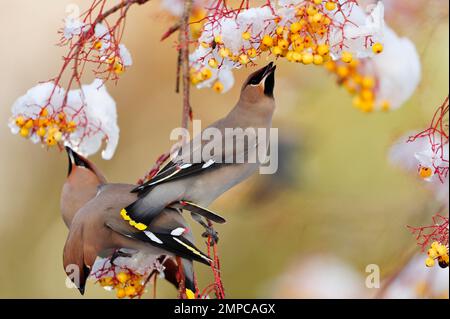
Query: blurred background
x,y
335,206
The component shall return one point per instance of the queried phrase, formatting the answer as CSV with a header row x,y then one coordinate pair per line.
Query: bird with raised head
x,y
190,185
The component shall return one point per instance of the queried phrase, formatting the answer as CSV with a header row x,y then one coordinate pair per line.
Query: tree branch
x,y
184,50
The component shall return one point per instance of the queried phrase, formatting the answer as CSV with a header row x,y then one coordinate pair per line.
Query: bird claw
x,y
118,253
211,233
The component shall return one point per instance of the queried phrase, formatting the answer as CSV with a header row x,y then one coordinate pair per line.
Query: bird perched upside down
x,y
91,208
193,186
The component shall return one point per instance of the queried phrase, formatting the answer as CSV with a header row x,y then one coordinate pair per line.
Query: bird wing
x,y
168,232
183,165
194,208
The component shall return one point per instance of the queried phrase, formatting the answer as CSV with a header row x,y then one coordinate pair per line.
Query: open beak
x,y
265,76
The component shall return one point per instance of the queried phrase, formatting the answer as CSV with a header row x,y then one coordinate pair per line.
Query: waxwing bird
x,y
96,227
193,186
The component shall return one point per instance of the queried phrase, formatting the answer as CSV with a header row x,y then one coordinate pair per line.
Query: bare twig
x,y
184,49
171,30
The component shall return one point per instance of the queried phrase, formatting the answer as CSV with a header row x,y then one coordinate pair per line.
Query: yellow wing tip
x,y
139,226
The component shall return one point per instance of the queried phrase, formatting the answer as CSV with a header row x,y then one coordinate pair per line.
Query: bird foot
x,y
118,253
211,233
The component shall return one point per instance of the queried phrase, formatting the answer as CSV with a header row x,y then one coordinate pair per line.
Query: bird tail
x,y
73,260
189,278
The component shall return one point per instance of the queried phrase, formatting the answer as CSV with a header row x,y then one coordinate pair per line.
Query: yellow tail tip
x,y
190,294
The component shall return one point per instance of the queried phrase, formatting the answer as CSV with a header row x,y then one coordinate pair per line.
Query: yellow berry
x,y
377,48
246,35
367,94
311,10
41,131
212,63
252,53
24,132
317,17
368,82
71,126
432,253
98,45
277,51
122,277
317,1
297,57
218,39
317,60
357,102
51,140
243,59
442,250
323,49
435,244
307,58
425,172
342,71
218,87
330,6
106,281
346,57
205,45
385,106
20,121
118,68
283,44
120,293
349,86
295,27
29,124
224,52
429,262
206,73
367,106
130,291
294,36
290,54
279,30
330,66
267,40
58,136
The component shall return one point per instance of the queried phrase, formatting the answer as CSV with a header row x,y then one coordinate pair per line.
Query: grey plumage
x,y
201,183
97,228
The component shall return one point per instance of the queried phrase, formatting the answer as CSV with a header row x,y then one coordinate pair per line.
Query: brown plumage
x,y
91,208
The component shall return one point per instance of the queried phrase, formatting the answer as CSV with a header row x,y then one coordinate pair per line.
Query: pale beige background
x,y
348,201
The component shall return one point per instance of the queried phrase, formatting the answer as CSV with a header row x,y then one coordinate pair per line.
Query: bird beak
x,y
265,77
75,159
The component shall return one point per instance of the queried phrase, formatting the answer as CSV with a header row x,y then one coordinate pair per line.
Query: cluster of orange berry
x,y
302,41
437,251
126,284
50,129
114,62
360,86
